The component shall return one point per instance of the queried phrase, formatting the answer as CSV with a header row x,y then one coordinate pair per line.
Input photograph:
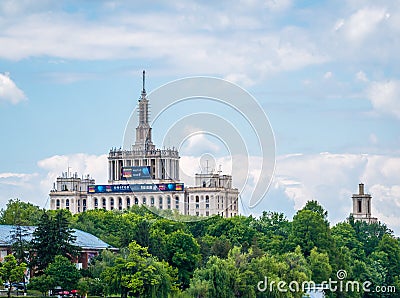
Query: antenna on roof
x,y
144,77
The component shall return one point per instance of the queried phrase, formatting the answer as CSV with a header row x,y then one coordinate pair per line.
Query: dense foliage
x,y
232,257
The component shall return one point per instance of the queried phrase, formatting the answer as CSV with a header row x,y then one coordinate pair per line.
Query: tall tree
x,y
310,228
52,237
184,254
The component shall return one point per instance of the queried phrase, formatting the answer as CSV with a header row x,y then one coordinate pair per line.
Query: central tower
x,y
163,164
143,130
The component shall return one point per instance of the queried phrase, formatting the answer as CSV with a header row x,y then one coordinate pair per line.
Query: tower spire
x,y
144,78
143,130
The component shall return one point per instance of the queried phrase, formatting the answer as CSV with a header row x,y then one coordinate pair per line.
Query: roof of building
x,y
83,239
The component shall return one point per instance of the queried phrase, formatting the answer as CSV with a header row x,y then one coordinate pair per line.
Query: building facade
x,y
212,194
90,245
146,175
362,206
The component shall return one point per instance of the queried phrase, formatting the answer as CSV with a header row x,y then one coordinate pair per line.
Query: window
x,y
84,203
128,201
96,202
197,206
359,206
169,202
112,203
144,200
104,202
176,202
120,202
152,201
207,199
160,202
136,201
207,206
58,203
67,202
204,184
207,213
197,199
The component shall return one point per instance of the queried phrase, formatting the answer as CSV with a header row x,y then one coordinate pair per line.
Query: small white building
x,y
362,206
213,194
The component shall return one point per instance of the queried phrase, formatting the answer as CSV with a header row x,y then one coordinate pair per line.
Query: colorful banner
x,y
135,188
136,172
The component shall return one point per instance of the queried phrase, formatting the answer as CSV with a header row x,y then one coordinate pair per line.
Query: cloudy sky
x,y
325,72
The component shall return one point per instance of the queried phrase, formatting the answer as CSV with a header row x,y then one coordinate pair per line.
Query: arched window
x,y
120,201
58,203
112,201
169,202
67,202
207,199
176,202
96,202
104,202
197,199
152,201
144,200
136,201
128,201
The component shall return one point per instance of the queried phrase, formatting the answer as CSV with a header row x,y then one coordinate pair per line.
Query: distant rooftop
x,y
83,239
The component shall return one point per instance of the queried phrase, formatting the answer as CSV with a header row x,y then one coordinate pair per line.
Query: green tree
x,y
184,254
83,286
140,274
391,247
11,271
319,265
42,283
369,234
52,237
63,273
20,213
309,230
215,280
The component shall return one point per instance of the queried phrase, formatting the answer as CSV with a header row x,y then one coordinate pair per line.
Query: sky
x,y
326,73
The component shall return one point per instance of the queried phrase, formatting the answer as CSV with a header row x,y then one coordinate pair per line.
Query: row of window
x,y
120,202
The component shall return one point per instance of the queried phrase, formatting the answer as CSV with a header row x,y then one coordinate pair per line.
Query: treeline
x,y
234,257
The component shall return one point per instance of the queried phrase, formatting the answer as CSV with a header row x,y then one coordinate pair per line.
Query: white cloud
x,y
278,5
385,96
361,76
200,40
9,91
83,164
16,179
363,22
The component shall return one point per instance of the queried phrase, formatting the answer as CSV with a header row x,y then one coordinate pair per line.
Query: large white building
x,y
145,175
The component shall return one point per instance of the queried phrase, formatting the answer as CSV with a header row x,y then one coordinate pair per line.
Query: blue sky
x,y
325,72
